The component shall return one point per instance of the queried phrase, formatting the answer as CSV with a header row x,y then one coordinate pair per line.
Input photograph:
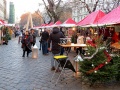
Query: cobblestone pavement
x,y
18,73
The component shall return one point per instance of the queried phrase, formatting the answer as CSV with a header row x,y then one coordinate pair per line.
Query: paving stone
x,y
18,73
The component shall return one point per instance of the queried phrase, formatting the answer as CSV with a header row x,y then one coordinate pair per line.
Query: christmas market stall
x,y
101,63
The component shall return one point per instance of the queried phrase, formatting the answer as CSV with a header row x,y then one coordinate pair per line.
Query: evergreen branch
x,y
92,55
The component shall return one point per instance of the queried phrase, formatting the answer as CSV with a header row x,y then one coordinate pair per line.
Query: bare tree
x,y
88,7
53,9
107,6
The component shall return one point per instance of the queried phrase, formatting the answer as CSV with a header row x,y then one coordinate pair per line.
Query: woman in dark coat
x,y
26,44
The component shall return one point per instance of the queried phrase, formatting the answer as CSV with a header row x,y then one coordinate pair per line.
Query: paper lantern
x,y
35,51
77,59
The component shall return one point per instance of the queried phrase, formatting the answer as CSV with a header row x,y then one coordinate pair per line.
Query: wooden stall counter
x,y
73,45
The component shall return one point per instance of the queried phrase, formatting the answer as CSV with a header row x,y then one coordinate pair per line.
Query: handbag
x,y
22,45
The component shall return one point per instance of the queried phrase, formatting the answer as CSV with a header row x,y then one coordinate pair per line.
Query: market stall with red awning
x,y
58,23
92,18
111,18
69,23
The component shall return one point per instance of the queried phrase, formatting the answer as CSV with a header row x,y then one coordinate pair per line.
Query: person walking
x,y
44,38
40,40
26,44
55,48
33,37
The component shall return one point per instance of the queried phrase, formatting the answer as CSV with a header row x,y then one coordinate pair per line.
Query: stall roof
x,y
58,23
91,18
69,23
112,17
2,22
49,25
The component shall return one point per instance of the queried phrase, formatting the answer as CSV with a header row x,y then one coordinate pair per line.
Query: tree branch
x,y
58,4
48,10
95,5
86,5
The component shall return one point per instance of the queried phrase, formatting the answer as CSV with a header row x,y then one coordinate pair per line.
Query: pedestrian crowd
x,y
49,42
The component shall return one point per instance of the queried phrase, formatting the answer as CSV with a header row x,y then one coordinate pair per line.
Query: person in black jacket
x,y
55,39
40,40
44,38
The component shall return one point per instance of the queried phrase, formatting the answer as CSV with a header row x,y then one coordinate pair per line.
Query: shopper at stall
x,y
80,40
55,39
26,44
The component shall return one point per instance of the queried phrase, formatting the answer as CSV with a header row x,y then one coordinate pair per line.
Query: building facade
x,y
3,7
11,13
79,10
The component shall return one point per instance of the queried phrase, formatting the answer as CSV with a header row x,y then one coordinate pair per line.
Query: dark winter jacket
x,y
44,36
34,37
26,42
55,39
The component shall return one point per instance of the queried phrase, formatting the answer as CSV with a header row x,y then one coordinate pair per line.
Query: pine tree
x,y
101,67
7,36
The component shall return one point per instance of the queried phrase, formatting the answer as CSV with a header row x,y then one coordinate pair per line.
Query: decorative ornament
x,y
106,62
95,71
88,53
92,65
102,64
85,54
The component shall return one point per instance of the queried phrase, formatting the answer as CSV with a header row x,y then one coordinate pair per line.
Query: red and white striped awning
x,y
2,22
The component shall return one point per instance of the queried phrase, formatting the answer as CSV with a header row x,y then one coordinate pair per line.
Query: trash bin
x,y
35,51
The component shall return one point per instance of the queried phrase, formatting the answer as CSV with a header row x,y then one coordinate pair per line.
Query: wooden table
x,y
72,45
76,62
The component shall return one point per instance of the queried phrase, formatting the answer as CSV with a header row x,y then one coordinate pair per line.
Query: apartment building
x,y
11,13
79,10
3,9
